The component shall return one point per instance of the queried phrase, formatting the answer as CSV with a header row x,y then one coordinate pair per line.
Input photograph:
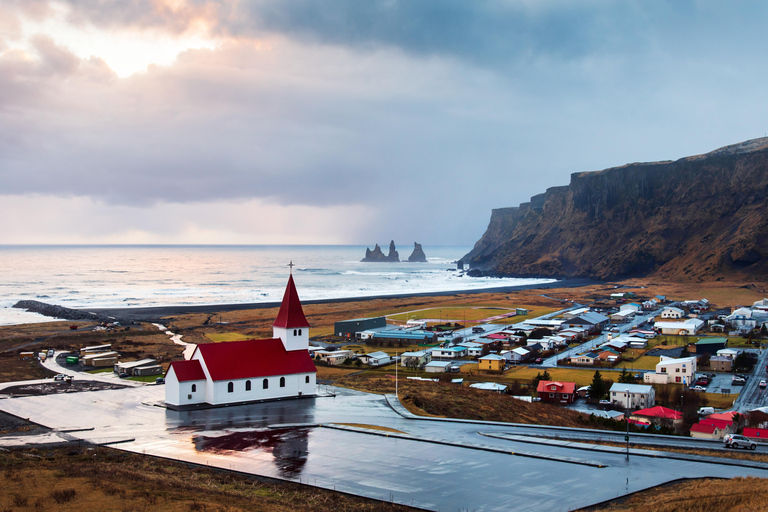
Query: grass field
x,y
645,363
144,378
720,401
218,337
101,370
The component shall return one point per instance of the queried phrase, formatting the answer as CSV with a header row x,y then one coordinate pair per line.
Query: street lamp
x,y
626,437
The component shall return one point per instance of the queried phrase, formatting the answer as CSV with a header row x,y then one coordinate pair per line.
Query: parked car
x,y
159,380
60,376
699,388
763,383
123,375
706,411
738,381
737,440
606,402
477,329
539,360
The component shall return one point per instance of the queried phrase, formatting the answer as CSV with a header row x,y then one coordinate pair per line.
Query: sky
x,y
349,121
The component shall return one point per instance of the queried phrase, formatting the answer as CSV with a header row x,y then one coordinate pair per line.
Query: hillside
x,y
699,218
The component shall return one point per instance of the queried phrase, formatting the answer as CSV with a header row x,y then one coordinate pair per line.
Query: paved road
x,y
438,465
752,396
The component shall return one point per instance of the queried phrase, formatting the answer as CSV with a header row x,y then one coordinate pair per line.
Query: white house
x,y
520,354
450,352
633,396
437,366
622,316
251,370
632,306
729,352
672,312
333,357
682,328
375,358
670,370
473,349
415,358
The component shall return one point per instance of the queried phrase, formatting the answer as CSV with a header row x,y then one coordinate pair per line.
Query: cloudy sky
x,y
349,121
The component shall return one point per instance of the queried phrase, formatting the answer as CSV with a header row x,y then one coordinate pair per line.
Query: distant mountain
x,y
697,218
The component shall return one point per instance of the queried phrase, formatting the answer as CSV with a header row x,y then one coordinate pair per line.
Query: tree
x,y
546,376
597,388
539,377
625,377
539,333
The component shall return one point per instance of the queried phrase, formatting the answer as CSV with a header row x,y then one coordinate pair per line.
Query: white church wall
x,y
180,393
294,384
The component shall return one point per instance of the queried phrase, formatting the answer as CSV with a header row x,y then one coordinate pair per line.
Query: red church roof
x,y
187,370
291,314
253,358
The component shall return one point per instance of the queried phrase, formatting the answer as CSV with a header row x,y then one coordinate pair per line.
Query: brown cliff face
x,y
698,218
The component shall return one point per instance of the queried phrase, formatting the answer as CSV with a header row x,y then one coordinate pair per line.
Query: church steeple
x,y
291,325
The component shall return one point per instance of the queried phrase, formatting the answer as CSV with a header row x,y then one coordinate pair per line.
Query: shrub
x,y
63,495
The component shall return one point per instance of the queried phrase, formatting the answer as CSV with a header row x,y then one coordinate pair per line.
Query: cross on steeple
x,y
291,265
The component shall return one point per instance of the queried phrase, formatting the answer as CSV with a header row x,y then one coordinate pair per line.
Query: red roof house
x,y
660,412
556,392
701,431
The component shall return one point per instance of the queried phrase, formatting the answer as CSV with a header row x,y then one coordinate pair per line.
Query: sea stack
x,y
417,255
375,255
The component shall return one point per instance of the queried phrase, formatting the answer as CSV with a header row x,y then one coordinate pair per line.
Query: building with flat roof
x,y
350,328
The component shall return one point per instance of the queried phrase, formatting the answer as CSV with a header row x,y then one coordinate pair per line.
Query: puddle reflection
x,y
288,446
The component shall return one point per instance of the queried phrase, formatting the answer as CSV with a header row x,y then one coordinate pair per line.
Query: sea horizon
x,y
153,275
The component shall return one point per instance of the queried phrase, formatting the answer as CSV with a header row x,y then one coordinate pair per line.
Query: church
x,y
248,371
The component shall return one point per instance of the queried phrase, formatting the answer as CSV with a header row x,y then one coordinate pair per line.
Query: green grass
x,y
740,342
645,363
226,336
101,370
144,378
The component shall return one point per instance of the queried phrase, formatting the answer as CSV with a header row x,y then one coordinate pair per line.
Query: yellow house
x,y
491,363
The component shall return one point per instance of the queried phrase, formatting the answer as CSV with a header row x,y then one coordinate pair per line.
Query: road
x,y
752,396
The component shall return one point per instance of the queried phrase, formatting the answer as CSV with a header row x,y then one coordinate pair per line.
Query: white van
x,y
706,411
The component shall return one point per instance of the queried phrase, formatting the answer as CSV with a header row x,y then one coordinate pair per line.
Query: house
x,y
709,345
491,363
437,366
670,370
635,342
611,415
672,312
729,352
706,431
721,363
631,396
632,306
333,357
375,358
449,352
556,392
574,312
609,356
685,328
401,336
131,367
623,316
586,359
756,434
490,386
474,349
415,359
659,415
251,370
594,322
650,304
520,354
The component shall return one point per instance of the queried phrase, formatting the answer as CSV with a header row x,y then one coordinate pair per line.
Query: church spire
x,y
291,314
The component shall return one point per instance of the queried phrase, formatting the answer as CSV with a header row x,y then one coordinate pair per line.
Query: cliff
x,y
697,218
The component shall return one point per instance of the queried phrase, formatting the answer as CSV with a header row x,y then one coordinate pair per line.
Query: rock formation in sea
x,y
418,254
376,255
699,218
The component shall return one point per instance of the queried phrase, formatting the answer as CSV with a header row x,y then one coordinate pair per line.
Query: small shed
x,y
437,366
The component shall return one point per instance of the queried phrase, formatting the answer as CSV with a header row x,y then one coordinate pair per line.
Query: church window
x,y
299,332
247,385
306,379
265,384
294,332
194,387
282,382
230,387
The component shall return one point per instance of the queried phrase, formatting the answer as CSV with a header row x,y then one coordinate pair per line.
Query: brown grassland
x,y
104,479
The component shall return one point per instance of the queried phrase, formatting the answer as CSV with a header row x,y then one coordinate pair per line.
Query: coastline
x,y
157,313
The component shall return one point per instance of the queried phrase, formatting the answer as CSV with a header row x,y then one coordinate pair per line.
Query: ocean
x,y
143,276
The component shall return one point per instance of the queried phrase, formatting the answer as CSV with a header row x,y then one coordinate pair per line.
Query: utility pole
x,y
396,365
